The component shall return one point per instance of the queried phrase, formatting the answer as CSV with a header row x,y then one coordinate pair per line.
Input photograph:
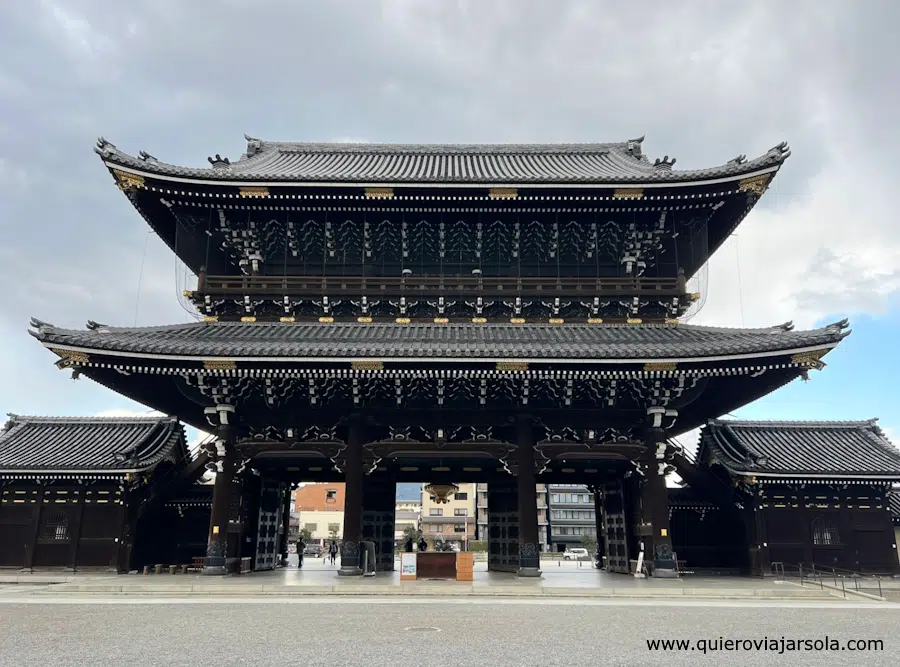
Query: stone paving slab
x,y
413,590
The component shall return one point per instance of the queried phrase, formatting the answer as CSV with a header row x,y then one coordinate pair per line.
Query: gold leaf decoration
x,y
188,294
249,318
70,356
503,193
402,320
755,184
557,320
595,320
326,320
628,193
660,366
254,192
288,319
210,318
127,181
479,320
811,359
367,365
517,320
441,320
364,319
512,365
673,321
219,364
379,193
634,320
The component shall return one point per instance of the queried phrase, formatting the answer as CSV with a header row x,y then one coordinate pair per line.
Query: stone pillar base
x,y
664,573
214,570
529,572
350,571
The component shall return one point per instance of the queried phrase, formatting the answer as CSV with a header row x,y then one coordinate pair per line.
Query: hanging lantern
x,y
440,493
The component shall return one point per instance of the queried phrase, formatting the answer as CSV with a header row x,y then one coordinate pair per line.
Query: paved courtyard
x,y
372,631
317,577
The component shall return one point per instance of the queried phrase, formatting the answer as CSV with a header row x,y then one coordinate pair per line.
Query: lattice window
x,y
56,526
825,532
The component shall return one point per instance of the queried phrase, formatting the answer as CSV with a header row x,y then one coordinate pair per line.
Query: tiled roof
x,y
621,162
826,448
463,340
74,444
894,505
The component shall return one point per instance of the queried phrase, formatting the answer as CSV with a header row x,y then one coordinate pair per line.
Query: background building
x,y
572,516
321,511
407,514
453,521
481,513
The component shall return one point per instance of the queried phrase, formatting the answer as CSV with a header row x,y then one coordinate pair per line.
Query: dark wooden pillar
x,y
353,500
654,529
76,529
35,528
529,540
599,526
285,524
217,542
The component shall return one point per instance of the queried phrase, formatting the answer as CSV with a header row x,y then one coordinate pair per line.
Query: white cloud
x,y
804,256
78,33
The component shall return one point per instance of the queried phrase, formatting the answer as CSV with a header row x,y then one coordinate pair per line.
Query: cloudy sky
x,y
704,81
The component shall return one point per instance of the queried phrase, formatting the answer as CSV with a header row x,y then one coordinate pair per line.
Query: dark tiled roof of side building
x,y
832,449
89,444
464,340
307,162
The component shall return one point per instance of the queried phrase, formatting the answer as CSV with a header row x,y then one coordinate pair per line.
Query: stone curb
x,y
429,591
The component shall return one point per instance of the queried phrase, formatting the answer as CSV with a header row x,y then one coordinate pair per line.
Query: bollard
x,y
173,569
184,569
147,569
159,568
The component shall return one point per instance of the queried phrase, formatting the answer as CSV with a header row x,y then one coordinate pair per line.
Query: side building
x,y
83,493
805,492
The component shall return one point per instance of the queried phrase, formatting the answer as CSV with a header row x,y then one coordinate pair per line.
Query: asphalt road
x,y
364,632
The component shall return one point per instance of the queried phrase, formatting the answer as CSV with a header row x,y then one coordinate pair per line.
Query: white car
x,y
576,554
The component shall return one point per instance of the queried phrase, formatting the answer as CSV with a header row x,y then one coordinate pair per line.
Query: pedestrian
x,y
333,551
423,545
300,549
409,545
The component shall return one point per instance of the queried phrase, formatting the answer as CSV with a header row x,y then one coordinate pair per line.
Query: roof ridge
x,y
792,422
38,419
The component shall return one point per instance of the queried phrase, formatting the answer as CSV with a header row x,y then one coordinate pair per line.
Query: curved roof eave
x,y
246,172
819,341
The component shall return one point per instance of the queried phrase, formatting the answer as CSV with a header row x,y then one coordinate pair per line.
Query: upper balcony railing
x,y
433,286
